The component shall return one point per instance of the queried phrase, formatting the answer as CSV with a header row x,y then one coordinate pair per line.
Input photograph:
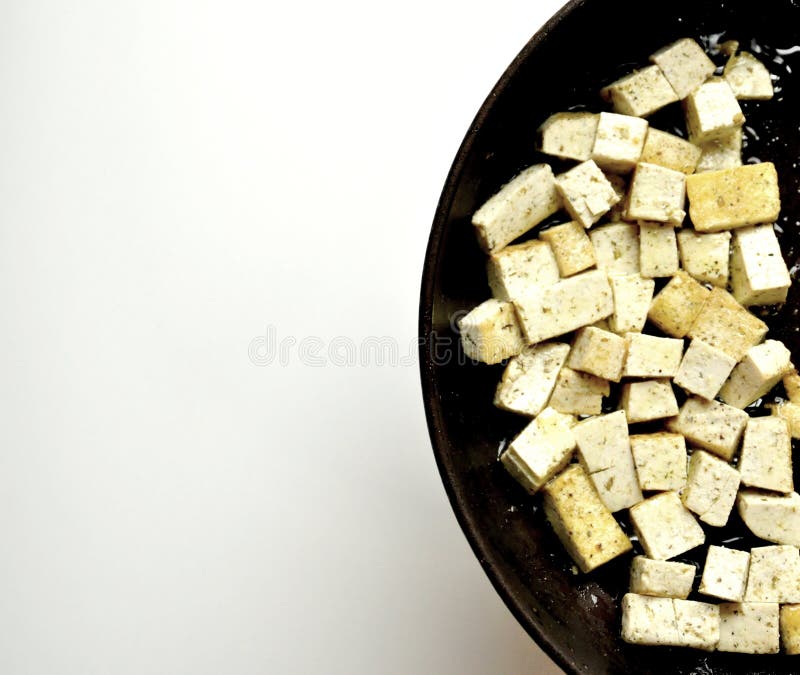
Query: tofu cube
x,y
619,142
632,297
760,370
651,356
598,352
790,413
543,449
725,573
572,303
703,369
748,77
620,185
661,578
685,65
529,378
665,527
790,628
586,193
616,248
572,247
660,461
711,488
605,453
491,332
676,307
582,522
513,271
705,256
578,393
737,197
774,575
648,400
569,135
774,518
723,152
648,620
658,250
749,628
766,457
711,425
670,151
712,111
791,383
726,325
656,194
521,204
759,275
641,93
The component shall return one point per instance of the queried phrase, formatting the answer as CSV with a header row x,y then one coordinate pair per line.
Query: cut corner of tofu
x,y
748,77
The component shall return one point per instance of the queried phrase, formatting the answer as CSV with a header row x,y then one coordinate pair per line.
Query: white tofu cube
x,y
711,488
661,578
790,413
760,370
723,152
598,352
632,297
648,620
648,400
766,457
569,135
737,197
685,65
774,575
711,425
656,194
572,303
578,393
748,77
543,449
658,250
620,185
705,256
703,369
513,271
521,204
641,93
790,629
774,518
651,356
749,628
725,573
582,522
491,332
616,248
572,247
712,111
725,324
759,275
529,378
670,151
660,461
676,307
619,142
665,527
605,453
586,193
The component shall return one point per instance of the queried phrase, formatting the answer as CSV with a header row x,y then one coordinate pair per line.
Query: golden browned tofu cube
x,y
744,195
571,246
582,522
728,326
790,628
675,309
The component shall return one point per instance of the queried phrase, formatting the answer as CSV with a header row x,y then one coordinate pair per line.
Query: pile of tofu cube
x,y
568,314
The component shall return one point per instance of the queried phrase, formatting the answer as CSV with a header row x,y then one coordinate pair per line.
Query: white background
x,y
177,179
